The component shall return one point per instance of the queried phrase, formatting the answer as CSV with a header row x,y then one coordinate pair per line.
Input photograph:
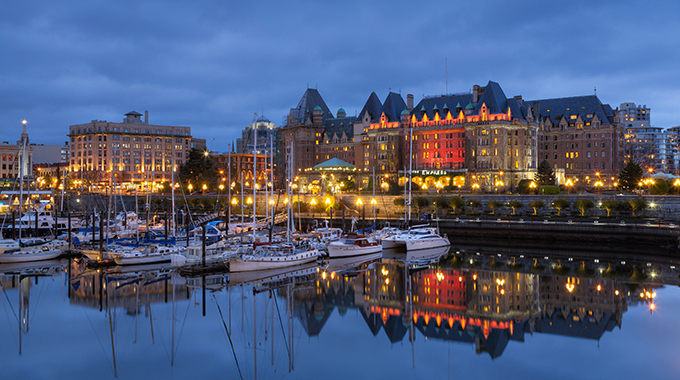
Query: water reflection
x,y
484,299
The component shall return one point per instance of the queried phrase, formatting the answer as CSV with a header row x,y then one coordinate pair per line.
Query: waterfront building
x,y
337,139
631,115
300,135
11,157
581,136
242,163
488,143
131,151
654,148
266,131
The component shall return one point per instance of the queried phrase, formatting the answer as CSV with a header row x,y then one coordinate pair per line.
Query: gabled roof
x,y
428,104
494,98
393,106
338,125
372,106
310,100
579,105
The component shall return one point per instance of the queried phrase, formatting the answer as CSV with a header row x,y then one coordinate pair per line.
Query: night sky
x,y
211,65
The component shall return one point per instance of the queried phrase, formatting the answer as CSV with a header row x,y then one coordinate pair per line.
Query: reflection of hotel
x,y
580,307
490,307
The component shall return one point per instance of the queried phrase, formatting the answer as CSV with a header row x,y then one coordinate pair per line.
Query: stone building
x,y
581,136
132,150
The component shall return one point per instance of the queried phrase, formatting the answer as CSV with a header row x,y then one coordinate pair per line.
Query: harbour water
x,y
468,314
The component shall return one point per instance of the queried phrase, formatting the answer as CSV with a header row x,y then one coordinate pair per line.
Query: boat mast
x,y
271,167
21,179
410,172
229,189
254,175
172,189
373,200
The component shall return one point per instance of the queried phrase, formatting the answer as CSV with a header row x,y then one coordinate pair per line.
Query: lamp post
x,y
676,184
532,186
313,203
363,211
598,185
568,184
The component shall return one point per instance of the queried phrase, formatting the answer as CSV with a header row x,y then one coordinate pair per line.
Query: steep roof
x,y
339,125
393,106
372,106
557,108
494,98
310,100
450,101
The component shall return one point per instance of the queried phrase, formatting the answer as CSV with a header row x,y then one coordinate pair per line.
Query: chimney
x,y
475,94
409,102
146,117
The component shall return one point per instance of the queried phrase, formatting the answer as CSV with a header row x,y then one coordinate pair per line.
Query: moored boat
x,y
353,245
273,256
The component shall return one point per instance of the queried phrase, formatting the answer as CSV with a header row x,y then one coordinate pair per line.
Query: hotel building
x,y
132,150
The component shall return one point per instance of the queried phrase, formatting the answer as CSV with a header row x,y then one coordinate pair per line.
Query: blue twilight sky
x,y
212,65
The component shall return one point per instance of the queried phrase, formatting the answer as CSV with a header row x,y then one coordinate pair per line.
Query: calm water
x,y
462,316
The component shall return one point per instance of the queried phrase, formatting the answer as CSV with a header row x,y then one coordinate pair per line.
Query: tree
x,y
544,174
474,203
560,204
583,205
659,187
637,204
399,202
441,203
610,205
514,204
346,184
199,169
537,204
420,202
456,203
494,204
630,176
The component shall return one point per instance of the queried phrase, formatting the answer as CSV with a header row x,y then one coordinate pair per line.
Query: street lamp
x,y
190,188
532,186
677,185
568,184
329,203
598,185
475,187
313,203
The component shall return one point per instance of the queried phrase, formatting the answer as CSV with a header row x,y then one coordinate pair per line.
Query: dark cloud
x,y
211,65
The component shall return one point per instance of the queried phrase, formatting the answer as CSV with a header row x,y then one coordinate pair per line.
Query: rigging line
x,y
98,340
9,321
186,204
10,304
179,338
281,323
228,336
37,302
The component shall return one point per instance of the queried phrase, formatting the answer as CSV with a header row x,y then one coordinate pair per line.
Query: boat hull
x,y
391,244
417,244
148,259
254,263
25,256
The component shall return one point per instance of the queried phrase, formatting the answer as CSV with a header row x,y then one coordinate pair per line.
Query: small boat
x,y
353,245
16,255
146,255
6,244
273,256
353,265
418,237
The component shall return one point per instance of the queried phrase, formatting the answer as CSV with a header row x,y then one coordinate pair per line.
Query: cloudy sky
x,y
212,65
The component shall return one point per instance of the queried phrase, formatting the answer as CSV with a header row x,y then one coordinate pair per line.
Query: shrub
x,y
549,190
515,204
583,205
610,205
560,204
494,204
536,205
456,203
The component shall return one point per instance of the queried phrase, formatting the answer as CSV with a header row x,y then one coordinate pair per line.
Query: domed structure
x,y
470,107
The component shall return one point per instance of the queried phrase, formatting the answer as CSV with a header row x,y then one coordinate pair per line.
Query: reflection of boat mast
x,y
409,305
113,347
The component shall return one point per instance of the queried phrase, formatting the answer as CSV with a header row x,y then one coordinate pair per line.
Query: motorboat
x,y
272,256
353,245
145,255
417,237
